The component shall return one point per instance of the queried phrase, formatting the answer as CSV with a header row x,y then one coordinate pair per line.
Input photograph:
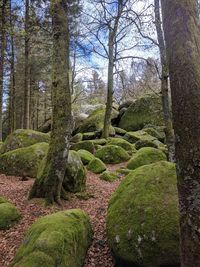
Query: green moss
x,y
23,161
60,239
94,122
122,143
101,141
89,136
9,214
86,145
85,156
143,218
120,131
96,166
23,138
112,154
145,110
123,171
145,143
144,156
157,132
77,138
109,176
133,137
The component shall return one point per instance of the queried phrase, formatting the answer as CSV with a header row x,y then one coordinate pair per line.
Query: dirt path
x,y
96,206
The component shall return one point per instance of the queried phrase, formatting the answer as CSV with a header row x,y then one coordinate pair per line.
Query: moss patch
x,y
60,239
133,137
145,110
109,176
23,138
143,218
120,131
86,145
85,156
23,161
122,143
144,156
77,138
96,166
9,214
112,154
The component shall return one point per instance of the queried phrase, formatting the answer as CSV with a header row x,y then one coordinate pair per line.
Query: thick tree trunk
x,y
182,34
107,118
26,119
2,55
164,84
50,183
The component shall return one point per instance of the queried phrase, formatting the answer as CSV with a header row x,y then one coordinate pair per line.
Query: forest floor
x,y
96,207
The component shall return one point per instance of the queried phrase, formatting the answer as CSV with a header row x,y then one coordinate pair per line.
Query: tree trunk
x,y
2,56
12,103
26,120
182,34
49,184
164,84
107,118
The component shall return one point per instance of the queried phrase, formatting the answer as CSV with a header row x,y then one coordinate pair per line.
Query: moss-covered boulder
x,y
120,131
23,161
85,156
60,239
96,166
144,156
90,135
143,218
145,143
123,171
109,176
101,141
94,122
23,138
133,137
75,174
122,143
9,214
86,145
112,154
145,110
77,138
156,131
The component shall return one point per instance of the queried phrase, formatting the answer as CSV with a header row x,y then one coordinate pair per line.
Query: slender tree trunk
x,y
107,118
164,84
49,185
26,119
12,103
2,55
182,34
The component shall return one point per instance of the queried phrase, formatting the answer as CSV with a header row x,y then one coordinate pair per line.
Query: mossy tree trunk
x,y
182,34
164,84
50,183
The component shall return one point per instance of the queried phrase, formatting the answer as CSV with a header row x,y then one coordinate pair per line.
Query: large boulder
x,y
96,166
144,156
60,239
94,122
122,143
9,214
75,174
86,145
85,156
23,138
112,154
143,218
23,161
145,110
133,137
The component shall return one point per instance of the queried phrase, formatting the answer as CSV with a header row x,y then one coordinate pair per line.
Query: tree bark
x,y
49,185
182,34
12,103
107,118
26,118
164,85
2,57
